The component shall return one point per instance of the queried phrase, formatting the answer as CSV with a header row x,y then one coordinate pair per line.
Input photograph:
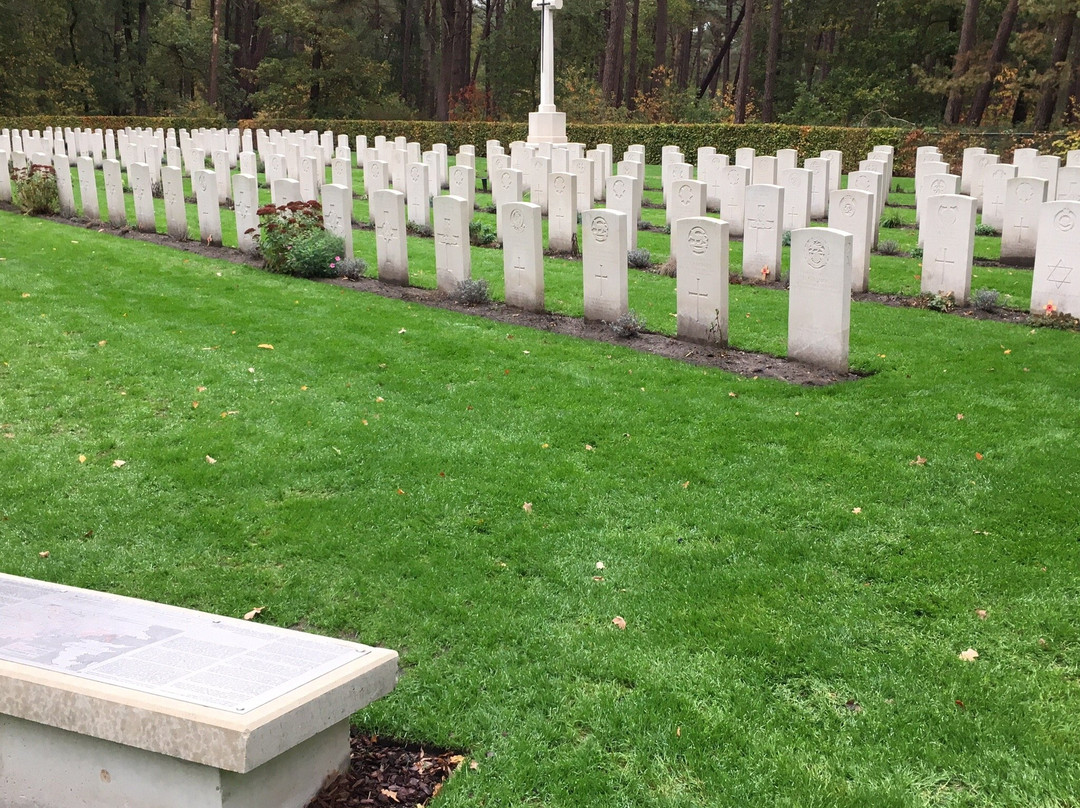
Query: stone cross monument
x,y
547,124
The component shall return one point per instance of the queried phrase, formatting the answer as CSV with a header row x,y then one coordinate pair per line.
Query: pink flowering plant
x,y
292,241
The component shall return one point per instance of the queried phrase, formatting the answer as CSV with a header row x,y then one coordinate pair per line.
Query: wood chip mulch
x,y
385,772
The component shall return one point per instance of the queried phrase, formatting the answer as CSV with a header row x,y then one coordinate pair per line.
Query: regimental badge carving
x,y
937,187
559,184
619,189
517,221
1065,221
686,193
698,240
949,214
599,229
817,254
1025,192
847,205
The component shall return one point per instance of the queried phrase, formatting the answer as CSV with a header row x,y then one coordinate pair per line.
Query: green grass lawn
x,y
796,586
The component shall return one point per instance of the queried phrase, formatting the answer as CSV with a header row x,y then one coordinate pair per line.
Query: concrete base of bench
x,y
45,767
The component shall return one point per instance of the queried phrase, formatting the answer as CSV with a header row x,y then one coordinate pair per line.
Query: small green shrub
x,y
892,219
986,299
472,292
917,252
36,191
481,234
786,239
889,247
352,269
937,301
628,325
292,241
1050,317
639,258
422,230
983,229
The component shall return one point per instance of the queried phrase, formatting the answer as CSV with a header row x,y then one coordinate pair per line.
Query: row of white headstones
x,y
754,195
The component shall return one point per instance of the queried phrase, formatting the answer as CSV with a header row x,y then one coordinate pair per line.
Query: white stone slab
x,y
506,187
88,191
764,170
700,246
453,259
206,202
994,186
523,256
172,192
66,192
246,209
968,168
584,170
537,179
948,246
562,212
392,257
1024,197
337,214
1056,278
284,191
796,183
819,188
819,297
854,211
686,198
463,184
1068,185
624,195
139,176
714,180
732,203
604,264
763,233
114,192
417,201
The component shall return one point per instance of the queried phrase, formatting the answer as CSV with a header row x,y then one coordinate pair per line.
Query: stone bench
x,y
113,701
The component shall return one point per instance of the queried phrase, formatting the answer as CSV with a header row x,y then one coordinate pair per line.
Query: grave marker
x,y
854,211
562,212
763,232
206,202
246,207
819,297
139,176
523,256
114,192
453,259
1024,196
604,264
337,214
172,191
701,254
948,245
392,257
1055,284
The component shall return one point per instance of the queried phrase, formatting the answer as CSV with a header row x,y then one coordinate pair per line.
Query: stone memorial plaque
x,y
219,662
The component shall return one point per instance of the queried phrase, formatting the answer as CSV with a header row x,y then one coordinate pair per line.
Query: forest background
x,y
994,64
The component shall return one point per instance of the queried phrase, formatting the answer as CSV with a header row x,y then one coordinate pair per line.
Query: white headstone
x,y
5,176
732,205
764,170
836,168
819,187
700,246
686,198
537,178
854,211
562,212
1020,229
453,259
506,187
872,183
172,191
416,194
392,257
88,191
1046,167
819,297
948,246
66,192
139,176
583,169
624,195
796,184
1056,280
1068,186
763,232
114,192
341,172
523,256
246,208
284,191
604,264
714,178
206,201
221,175
786,159
1024,160
994,183
463,184
337,214
968,168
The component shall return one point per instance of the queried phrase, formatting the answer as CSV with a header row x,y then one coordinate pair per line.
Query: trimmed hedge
x,y
766,138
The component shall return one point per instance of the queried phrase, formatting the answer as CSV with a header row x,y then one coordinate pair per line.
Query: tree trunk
x,y
721,55
993,64
1044,112
215,52
611,79
731,26
682,57
776,19
742,93
632,77
962,61
315,91
659,38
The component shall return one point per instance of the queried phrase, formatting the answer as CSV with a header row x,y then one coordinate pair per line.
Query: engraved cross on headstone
x,y
698,297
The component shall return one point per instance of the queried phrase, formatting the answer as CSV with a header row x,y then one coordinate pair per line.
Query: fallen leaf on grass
x,y
82,458
266,346
853,705
402,331
303,387
473,765
980,613
527,507
686,484
200,389
678,732
227,413
210,460
733,395
918,461
545,446
43,554
254,613
959,416
960,704
970,655
102,343
598,578
194,405
978,456
379,399
599,565
26,294
118,463
456,760
588,448
856,510
402,493
620,623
